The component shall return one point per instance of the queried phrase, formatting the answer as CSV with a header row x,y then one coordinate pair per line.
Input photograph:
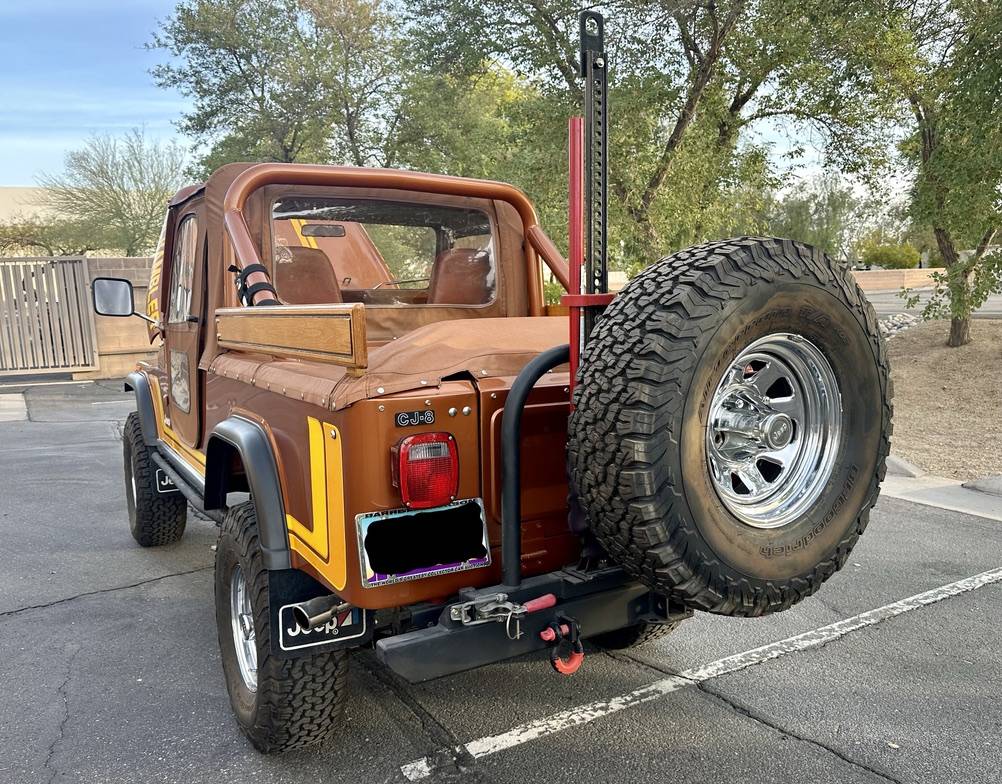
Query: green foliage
x,y
552,292
936,62
285,80
700,94
111,194
33,235
823,213
891,256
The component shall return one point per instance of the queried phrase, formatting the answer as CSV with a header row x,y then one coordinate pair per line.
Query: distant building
x,y
16,201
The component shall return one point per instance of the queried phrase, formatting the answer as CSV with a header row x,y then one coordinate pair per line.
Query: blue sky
x,y
73,68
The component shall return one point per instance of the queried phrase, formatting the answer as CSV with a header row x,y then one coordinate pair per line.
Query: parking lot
x,y
110,671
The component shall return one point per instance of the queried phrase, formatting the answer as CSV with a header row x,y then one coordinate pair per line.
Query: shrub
x,y
892,256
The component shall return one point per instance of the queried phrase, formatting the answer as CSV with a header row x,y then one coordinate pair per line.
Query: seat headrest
x,y
461,276
305,276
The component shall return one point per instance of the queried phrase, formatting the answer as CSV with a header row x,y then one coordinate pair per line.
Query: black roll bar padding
x,y
511,460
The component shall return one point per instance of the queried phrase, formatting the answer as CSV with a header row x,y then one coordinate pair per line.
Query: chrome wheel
x,y
242,624
132,480
774,430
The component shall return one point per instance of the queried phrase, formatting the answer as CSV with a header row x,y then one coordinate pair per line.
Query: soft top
x,y
478,348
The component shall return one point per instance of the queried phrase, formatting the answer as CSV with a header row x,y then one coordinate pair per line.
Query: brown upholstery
x,y
461,276
308,279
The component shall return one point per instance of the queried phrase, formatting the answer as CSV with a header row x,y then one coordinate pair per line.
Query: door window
x,y
182,271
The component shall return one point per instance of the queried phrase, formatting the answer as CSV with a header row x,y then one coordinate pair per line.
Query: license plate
x,y
164,483
427,525
345,626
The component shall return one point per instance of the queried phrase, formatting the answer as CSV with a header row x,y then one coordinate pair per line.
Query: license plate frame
x,y
374,579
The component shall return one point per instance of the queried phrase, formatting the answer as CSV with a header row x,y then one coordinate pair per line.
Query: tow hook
x,y
498,609
567,653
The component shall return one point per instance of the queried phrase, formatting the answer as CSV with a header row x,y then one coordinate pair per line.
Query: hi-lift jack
x,y
588,230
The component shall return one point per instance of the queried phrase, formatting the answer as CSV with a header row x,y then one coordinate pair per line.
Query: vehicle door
x,y
183,323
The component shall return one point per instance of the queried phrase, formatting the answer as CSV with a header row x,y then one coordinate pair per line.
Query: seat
x,y
306,277
461,276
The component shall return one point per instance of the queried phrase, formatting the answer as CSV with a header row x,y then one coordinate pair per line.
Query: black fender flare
x,y
138,383
250,442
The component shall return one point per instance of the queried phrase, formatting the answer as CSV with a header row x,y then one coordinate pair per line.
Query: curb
x,y
898,466
990,484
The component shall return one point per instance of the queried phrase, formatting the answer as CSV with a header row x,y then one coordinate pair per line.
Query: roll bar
x,y
256,177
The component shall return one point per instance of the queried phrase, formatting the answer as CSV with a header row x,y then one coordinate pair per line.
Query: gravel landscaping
x,y
899,322
948,401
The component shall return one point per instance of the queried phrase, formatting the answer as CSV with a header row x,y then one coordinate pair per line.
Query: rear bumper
x,y
599,601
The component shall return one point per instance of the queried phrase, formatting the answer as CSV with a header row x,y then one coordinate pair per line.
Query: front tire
x,y
732,419
280,704
155,518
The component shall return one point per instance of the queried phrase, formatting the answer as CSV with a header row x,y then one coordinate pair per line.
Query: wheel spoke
x,y
752,479
792,406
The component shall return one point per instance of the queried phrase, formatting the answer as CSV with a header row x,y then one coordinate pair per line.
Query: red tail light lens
x,y
426,469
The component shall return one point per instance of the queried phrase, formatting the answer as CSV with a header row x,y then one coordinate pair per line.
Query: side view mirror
x,y
112,297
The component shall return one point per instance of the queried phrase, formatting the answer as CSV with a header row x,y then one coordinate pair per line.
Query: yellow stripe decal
x,y
306,242
327,538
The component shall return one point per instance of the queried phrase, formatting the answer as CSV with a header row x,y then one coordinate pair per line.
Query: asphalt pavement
x,y
887,303
109,667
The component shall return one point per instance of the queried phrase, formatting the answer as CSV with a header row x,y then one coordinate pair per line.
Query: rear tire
x,y
633,636
680,461
290,702
155,518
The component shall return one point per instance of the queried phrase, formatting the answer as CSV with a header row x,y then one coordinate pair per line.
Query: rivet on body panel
x,y
466,410
380,390
494,395
334,434
483,372
452,411
382,408
427,402
423,382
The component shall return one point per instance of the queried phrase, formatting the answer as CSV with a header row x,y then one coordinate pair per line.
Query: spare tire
x,y
732,419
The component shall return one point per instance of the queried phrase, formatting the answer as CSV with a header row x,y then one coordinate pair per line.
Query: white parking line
x,y
584,714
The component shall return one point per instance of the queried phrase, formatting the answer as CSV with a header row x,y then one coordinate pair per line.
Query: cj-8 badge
x,y
412,418
344,626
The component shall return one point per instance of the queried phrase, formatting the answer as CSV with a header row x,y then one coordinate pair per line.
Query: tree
x,y
32,234
115,191
937,62
687,80
823,212
281,80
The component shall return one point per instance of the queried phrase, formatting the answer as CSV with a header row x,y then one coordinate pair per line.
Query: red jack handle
x,y
544,602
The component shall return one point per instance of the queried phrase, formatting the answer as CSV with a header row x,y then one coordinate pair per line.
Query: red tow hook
x,y
567,653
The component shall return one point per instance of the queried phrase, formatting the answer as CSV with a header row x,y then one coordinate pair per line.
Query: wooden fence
x,y
46,322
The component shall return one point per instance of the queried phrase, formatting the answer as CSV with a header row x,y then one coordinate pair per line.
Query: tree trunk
x,y
960,332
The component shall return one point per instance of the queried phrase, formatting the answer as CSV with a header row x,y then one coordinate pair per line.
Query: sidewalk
x,y
944,494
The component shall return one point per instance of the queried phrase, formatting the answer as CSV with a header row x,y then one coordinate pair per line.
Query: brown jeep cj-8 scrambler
x,y
359,381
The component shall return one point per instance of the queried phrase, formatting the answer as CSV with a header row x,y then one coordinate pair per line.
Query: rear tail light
x,y
426,469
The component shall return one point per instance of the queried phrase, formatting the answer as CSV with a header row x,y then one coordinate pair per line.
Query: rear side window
x,y
182,271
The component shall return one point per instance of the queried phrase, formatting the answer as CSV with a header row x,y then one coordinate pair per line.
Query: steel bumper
x,y
599,601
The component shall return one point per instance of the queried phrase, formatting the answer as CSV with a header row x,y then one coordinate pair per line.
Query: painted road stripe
x,y
584,714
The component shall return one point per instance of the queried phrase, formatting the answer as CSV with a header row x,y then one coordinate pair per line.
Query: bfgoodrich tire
x,y
280,704
155,518
732,419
